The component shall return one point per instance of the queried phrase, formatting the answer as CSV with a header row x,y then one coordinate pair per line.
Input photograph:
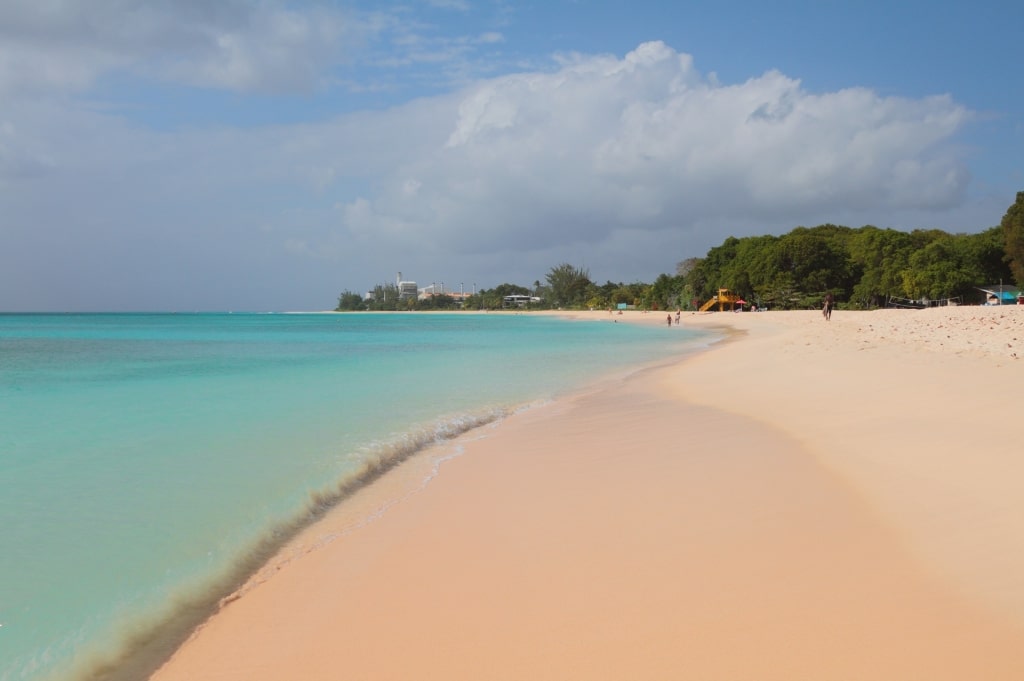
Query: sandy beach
x,y
803,500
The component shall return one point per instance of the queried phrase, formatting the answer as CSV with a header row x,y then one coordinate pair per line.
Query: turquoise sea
x,y
143,457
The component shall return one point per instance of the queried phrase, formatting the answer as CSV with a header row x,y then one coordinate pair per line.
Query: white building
x,y
519,300
406,289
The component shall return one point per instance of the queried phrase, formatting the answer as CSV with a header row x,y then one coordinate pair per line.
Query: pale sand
x,y
812,501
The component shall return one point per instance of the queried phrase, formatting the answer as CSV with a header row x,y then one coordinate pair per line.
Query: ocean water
x,y
143,457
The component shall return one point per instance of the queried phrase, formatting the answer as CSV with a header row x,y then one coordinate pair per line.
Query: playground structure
x,y
724,297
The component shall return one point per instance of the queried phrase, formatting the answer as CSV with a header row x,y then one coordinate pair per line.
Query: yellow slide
x,y
707,306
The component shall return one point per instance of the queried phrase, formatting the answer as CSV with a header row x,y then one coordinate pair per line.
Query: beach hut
x,y
998,294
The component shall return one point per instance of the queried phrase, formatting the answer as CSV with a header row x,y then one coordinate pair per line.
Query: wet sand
x,y
819,500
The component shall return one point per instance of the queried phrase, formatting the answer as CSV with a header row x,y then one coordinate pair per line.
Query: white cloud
x,y
54,47
624,165
47,45
275,50
644,142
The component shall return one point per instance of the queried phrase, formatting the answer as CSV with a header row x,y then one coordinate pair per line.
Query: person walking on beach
x,y
830,301
670,319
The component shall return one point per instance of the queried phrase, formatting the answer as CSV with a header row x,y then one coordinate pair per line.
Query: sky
x,y
215,155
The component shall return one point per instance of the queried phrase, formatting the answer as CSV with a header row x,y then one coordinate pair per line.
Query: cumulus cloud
x,y
624,165
603,144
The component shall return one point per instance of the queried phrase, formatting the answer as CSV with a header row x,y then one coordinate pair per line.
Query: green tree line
x,y
862,267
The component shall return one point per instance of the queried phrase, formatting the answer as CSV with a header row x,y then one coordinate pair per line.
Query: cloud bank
x,y
645,142
624,165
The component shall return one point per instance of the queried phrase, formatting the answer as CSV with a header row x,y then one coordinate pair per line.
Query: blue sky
x,y
266,155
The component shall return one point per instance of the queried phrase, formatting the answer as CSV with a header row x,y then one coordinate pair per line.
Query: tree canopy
x,y
569,285
861,267
1013,236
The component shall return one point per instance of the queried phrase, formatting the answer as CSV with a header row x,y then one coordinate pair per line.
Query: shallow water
x,y
142,455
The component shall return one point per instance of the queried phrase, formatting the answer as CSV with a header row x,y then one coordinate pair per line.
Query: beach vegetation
x,y
494,299
1012,228
350,301
612,294
385,298
861,267
667,293
437,301
569,286
684,267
